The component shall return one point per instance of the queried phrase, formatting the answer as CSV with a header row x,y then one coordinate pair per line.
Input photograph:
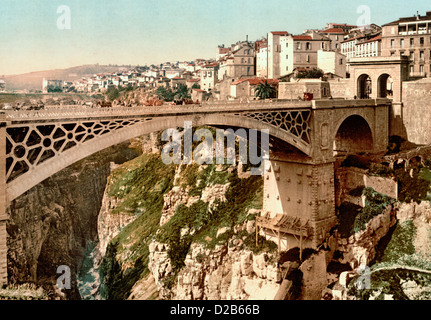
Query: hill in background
x,y
33,80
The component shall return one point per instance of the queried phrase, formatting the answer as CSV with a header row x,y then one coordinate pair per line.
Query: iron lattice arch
x,y
30,145
295,122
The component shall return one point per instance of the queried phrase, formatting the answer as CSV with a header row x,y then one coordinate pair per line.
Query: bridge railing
x,y
73,111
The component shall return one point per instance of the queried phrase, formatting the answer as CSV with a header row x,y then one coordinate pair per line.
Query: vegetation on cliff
x,y
353,218
139,187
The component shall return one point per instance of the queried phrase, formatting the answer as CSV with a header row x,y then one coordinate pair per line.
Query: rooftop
x,y
333,30
301,37
280,33
411,19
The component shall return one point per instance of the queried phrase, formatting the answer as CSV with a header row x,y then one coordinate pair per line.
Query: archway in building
x,y
384,86
353,136
364,86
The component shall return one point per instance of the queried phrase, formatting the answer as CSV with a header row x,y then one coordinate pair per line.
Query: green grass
x,y
126,258
395,261
140,183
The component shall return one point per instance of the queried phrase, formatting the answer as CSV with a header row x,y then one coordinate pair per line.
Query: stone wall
x,y
293,90
350,178
416,111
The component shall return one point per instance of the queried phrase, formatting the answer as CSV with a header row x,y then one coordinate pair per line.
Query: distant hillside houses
x,y
2,85
168,74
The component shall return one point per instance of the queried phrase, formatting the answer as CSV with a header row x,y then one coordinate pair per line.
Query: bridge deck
x,y
76,112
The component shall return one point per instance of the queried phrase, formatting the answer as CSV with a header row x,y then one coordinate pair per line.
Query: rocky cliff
x,y
53,223
192,236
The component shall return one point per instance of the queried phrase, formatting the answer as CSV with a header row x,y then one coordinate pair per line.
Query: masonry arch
x,y
364,86
42,171
354,135
384,86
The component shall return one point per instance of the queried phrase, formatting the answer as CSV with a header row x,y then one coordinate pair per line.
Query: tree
x,y
182,92
112,93
265,90
314,73
165,94
196,86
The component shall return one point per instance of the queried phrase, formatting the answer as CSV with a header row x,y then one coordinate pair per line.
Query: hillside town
x,y
237,70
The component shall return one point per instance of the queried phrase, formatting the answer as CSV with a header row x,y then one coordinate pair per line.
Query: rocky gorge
x,y
131,227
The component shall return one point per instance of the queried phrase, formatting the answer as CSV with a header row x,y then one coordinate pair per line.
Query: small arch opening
x,y
353,136
385,86
364,87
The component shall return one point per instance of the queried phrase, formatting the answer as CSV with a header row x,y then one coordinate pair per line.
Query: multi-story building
x,y
208,76
262,61
300,51
274,53
221,52
336,35
362,46
332,62
410,36
238,63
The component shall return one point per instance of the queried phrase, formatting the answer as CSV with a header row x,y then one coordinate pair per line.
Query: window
x,y
412,56
422,41
209,74
421,70
287,57
392,43
308,58
287,68
341,61
422,55
287,44
411,69
308,46
412,42
298,46
402,43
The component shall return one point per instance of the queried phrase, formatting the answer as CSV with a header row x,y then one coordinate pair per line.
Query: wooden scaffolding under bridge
x,y
283,224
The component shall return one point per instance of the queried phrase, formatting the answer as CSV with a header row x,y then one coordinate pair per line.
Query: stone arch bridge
x,y
35,144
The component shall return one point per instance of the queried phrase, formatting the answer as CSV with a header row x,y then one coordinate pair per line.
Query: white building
x,y
208,76
332,62
262,62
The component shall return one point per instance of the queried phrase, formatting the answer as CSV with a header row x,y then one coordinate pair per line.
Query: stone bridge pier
x,y
299,202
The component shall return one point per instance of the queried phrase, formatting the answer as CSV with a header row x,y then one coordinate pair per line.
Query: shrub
x,y
353,218
378,169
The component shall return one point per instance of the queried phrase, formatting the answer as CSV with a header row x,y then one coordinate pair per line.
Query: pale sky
x,y
155,31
